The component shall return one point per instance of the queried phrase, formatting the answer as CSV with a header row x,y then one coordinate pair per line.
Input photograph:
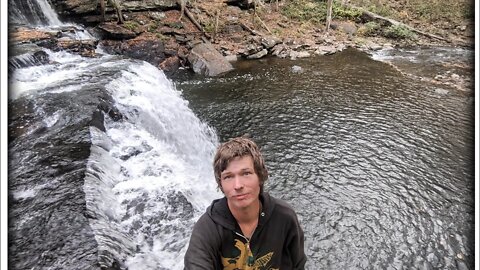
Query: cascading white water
x,y
40,13
165,153
155,177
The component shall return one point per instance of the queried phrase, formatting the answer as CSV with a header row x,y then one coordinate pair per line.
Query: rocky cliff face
x,y
82,10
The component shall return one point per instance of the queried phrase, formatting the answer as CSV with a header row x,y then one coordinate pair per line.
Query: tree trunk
x,y
373,16
329,14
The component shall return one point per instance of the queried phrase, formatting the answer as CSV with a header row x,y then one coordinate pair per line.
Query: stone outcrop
x,y
114,31
54,40
79,8
145,47
206,60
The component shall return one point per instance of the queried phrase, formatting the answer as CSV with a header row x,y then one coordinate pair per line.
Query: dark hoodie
x,y
217,241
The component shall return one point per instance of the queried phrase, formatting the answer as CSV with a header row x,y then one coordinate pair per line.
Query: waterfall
x,y
166,153
32,12
147,178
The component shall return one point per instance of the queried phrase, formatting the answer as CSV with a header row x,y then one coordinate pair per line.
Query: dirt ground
x,y
268,20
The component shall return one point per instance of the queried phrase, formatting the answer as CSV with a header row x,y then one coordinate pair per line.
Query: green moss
x,y
304,10
316,11
152,27
209,26
399,32
345,12
382,10
131,25
442,10
162,37
370,29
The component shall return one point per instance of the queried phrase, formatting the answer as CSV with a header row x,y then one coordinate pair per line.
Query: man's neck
x,y
246,215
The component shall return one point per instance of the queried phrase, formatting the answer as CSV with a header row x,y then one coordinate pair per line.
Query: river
x,y
110,161
378,165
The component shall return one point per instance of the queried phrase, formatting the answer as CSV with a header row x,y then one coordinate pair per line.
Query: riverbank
x,y
293,29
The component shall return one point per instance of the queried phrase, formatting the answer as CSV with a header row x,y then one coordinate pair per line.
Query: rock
x,y
455,76
145,47
374,46
182,53
280,50
347,27
170,65
269,42
206,60
243,4
341,47
233,10
231,58
441,91
156,15
297,69
193,43
326,50
388,46
115,31
82,47
252,49
433,259
72,7
76,8
25,35
258,55
290,41
171,47
183,38
232,28
461,265
33,57
302,54
232,19
329,40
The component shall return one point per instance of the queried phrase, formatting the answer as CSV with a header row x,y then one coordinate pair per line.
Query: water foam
x,y
165,153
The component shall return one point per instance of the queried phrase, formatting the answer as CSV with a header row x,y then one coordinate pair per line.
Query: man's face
x,y
240,183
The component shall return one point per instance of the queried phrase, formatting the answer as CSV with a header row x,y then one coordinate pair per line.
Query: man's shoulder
x,y
204,222
283,207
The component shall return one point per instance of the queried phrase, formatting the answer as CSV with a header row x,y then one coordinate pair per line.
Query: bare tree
x,y
329,14
182,4
115,5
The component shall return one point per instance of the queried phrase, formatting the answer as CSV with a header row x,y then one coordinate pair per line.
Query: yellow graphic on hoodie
x,y
245,260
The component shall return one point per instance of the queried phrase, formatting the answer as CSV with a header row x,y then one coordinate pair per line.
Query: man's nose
x,y
238,183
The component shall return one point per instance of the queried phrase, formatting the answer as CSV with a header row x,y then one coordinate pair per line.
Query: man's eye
x,y
247,173
227,177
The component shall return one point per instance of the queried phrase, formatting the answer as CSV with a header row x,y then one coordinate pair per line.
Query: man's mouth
x,y
241,196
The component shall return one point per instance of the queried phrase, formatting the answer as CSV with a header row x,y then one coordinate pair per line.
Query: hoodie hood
x,y
220,213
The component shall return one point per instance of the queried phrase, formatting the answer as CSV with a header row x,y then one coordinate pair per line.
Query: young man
x,y
247,229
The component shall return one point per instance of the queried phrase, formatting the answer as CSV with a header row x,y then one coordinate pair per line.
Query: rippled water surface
x,y
379,167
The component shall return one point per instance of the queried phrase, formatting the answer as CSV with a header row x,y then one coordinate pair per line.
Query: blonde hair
x,y
239,147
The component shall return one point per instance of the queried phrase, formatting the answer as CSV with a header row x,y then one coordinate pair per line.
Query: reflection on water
x,y
378,166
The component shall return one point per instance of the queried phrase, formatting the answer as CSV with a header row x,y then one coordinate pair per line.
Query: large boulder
x,y
206,60
146,47
115,31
